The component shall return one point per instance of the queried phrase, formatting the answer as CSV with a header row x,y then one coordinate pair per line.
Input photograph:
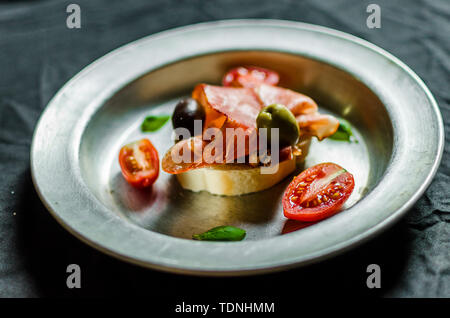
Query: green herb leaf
x,y
153,123
221,233
344,131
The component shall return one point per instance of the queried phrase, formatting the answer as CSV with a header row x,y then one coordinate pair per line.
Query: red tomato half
x,y
139,162
250,76
317,193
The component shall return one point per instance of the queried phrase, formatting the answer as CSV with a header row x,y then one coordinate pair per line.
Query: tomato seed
x,y
132,164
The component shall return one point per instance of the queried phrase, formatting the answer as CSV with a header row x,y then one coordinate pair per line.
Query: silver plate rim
x,y
198,269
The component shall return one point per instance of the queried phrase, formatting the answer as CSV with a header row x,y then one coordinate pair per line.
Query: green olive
x,y
278,116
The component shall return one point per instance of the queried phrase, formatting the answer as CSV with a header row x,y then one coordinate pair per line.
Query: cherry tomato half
x,y
250,76
139,162
317,193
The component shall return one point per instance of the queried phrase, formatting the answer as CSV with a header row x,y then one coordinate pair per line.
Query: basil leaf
x,y
153,123
344,131
221,233
340,135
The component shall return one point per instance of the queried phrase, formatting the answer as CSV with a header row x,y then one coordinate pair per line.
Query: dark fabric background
x,y
38,54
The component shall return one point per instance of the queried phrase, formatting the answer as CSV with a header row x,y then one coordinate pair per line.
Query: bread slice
x,y
238,179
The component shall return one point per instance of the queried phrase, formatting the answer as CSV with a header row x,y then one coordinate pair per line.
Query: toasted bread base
x,y
238,179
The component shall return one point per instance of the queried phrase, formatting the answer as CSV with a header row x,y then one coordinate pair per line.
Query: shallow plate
x,y
74,153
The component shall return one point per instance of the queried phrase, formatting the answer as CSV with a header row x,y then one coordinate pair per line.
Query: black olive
x,y
186,111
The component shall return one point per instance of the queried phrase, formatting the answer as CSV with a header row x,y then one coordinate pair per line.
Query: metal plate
x,y
75,146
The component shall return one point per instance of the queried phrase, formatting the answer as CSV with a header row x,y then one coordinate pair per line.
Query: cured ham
x,y
297,103
238,107
303,107
185,155
196,152
318,125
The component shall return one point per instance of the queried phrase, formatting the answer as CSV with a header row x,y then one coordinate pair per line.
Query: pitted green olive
x,y
278,116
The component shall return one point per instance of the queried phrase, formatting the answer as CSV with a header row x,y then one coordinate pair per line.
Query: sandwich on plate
x,y
244,136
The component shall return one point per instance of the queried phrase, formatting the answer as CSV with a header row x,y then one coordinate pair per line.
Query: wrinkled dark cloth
x,y
38,54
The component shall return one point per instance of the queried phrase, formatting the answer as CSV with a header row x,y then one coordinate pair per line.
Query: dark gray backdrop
x,y
38,54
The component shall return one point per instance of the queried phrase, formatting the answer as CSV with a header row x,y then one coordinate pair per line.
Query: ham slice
x,y
297,103
318,125
239,106
185,155
231,107
303,107
225,107
193,153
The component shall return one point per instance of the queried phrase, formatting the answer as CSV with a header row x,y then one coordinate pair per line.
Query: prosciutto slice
x,y
196,152
239,106
185,155
231,107
297,103
318,125
303,107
